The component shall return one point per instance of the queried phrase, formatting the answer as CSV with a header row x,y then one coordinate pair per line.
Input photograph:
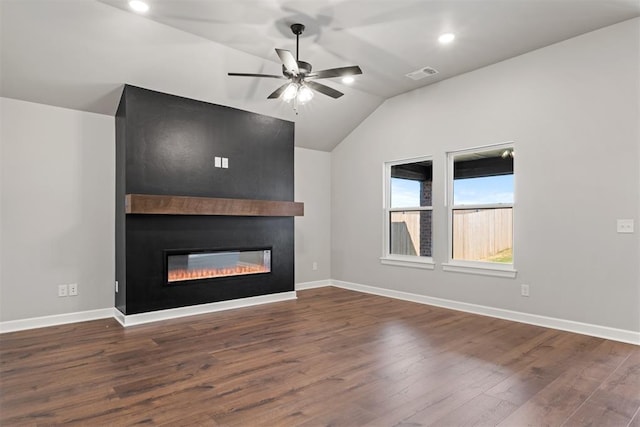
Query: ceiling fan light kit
x,y
301,86
290,92
300,94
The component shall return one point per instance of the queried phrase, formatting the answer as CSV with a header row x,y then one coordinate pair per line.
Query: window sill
x,y
482,270
413,262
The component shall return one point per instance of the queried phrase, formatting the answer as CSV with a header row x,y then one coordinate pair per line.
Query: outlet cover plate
x,y
625,226
62,290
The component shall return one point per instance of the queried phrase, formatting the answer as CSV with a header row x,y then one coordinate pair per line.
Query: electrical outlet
x,y
73,289
314,266
116,286
524,290
62,290
625,226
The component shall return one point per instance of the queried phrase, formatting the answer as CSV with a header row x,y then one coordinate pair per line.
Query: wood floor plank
x,y
482,410
331,357
616,401
525,383
562,397
635,422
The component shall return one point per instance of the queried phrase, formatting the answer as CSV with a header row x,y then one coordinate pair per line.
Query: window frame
x,y
387,258
484,268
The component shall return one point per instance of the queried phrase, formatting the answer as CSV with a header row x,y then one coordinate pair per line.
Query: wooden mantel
x,y
184,205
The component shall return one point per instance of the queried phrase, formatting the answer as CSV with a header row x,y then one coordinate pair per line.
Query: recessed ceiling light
x,y
347,80
139,6
446,38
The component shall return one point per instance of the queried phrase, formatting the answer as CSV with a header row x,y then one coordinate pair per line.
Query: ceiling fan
x,y
301,84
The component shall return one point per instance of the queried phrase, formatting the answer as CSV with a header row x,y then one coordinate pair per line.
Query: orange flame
x,y
239,270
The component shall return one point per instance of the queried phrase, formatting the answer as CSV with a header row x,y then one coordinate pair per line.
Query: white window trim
x,y
387,258
474,267
423,262
480,268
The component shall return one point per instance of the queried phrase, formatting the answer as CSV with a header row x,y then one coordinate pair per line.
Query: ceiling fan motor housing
x,y
304,69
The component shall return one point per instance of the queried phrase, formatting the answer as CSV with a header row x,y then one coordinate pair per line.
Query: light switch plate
x,y
625,226
225,163
218,162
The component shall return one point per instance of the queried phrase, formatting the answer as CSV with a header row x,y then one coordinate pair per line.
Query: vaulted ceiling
x,y
78,53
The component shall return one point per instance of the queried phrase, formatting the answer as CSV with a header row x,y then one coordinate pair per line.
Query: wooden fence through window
x,y
480,234
477,234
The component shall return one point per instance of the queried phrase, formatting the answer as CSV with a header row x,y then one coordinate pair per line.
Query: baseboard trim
x,y
174,313
312,285
54,320
622,335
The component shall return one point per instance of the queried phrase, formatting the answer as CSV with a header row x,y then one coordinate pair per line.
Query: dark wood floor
x,y
333,357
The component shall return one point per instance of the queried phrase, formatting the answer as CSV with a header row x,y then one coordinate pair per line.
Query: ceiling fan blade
x,y
276,93
336,72
326,90
288,61
271,76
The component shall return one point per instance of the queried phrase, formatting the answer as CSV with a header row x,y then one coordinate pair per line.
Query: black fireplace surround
x,y
166,145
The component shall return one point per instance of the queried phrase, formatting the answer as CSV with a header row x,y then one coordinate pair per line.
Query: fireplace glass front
x,y
183,267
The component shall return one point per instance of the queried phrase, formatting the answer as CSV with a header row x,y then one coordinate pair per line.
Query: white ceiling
x,y
78,53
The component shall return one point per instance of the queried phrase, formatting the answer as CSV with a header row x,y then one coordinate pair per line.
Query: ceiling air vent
x,y
422,73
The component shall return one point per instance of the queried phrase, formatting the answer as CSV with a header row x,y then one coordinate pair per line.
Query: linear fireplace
x,y
187,266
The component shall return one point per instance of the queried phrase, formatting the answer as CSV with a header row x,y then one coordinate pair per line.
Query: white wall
x,y
312,231
572,110
57,209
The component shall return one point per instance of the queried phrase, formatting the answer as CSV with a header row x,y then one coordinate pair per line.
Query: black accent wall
x,y
166,145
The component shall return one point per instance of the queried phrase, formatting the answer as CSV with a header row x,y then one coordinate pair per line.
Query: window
x,y
480,199
408,213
